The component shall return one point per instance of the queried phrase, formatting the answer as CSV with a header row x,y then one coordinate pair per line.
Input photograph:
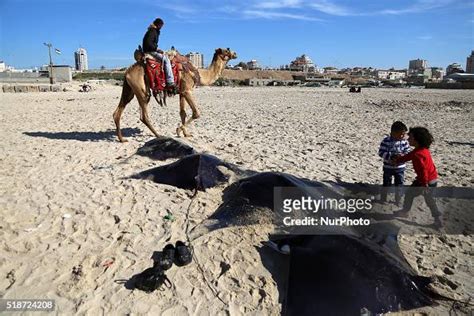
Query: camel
x,y
135,84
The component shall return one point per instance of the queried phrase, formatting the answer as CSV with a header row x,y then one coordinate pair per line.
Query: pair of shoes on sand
x,y
153,278
178,254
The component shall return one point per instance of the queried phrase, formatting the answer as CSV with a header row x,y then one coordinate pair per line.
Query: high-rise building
x,y
81,59
470,63
417,65
197,59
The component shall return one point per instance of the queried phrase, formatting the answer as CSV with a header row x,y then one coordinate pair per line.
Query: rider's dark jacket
x,y
150,40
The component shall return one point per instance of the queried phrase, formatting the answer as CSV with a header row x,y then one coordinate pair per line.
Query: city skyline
x,y
379,34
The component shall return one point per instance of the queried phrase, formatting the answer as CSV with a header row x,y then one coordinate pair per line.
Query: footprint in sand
x,y
445,281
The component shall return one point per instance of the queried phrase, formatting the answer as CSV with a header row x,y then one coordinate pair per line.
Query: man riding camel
x,y
150,46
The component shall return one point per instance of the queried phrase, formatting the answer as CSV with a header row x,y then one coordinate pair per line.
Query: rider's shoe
x,y
171,88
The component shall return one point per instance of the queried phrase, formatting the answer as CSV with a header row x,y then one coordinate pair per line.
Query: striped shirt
x,y
391,147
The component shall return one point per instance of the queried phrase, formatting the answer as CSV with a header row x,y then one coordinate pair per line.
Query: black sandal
x,y
152,279
183,254
167,256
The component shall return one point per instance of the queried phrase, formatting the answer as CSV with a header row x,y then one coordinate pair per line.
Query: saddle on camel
x,y
155,74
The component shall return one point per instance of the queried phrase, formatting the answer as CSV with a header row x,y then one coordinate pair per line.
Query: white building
x,y
80,57
197,59
3,66
62,73
390,74
253,65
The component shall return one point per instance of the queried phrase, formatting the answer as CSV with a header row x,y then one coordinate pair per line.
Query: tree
x,y
243,65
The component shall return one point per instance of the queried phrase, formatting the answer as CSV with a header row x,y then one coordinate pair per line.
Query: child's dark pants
x,y
398,176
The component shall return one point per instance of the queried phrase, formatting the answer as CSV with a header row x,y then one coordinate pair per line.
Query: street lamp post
x,y
49,45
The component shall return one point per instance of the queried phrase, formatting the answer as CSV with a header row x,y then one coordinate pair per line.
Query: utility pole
x,y
49,45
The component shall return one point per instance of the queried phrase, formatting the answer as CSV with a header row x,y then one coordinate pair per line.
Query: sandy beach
x,y
68,201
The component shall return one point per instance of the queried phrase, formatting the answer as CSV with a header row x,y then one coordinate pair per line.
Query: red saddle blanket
x,y
156,75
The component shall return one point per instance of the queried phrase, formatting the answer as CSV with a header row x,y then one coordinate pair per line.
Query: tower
x,y
80,57
470,63
196,59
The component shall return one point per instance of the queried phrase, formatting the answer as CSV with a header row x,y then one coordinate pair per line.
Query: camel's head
x,y
225,53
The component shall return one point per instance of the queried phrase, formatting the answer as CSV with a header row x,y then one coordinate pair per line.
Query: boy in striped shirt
x,y
391,147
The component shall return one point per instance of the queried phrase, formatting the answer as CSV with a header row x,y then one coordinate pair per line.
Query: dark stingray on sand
x,y
162,148
193,172
250,200
344,275
339,274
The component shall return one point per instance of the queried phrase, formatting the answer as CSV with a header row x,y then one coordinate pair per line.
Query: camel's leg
x,y
143,101
127,96
182,114
190,100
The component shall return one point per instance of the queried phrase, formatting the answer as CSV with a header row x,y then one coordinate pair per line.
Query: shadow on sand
x,y
108,135
193,172
461,143
131,283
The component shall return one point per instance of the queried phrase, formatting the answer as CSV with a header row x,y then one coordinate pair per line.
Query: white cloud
x,y
330,8
277,15
279,4
418,7
294,9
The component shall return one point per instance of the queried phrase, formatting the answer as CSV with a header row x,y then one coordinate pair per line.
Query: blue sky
x,y
341,33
